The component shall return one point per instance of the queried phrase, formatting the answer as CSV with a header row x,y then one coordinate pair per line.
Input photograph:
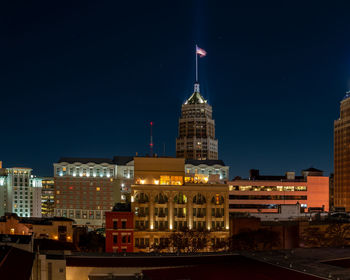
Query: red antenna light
x,y
151,143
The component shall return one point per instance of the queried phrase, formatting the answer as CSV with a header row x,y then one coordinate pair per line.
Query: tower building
x,y
196,135
342,155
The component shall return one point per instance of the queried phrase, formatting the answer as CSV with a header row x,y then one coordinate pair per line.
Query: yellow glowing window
x,y
98,189
245,188
176,180
64,168
57,192
164,180
12,230
57,201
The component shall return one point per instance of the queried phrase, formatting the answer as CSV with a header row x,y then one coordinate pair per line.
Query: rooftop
x,y
15,263
196,97
206,162
118,160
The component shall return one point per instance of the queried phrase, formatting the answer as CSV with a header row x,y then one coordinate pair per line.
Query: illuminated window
x,y
12,230
176,180
98,189
57,192
165,180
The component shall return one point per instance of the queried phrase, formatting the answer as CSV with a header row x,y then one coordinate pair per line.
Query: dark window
x,y
123,224
115,239
129,238
115,224
124,239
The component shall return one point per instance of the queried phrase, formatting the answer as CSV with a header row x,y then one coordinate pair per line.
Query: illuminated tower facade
x,y
342,155
196,135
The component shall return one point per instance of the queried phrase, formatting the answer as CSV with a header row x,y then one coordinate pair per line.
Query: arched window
x,y
142,198
199,199
180,198
217,199
161,198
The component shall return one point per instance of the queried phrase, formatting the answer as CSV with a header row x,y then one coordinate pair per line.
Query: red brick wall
x,y
114,236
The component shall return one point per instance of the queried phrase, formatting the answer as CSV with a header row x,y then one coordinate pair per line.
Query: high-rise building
x,y
48,197
342,156
196,135
20,192
85,188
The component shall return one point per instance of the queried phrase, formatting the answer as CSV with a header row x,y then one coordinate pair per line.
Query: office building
x,y
196,132
85,188
47,197
342,156
20,192
265,193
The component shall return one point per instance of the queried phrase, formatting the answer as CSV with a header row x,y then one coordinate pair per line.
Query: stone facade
x,y
163,200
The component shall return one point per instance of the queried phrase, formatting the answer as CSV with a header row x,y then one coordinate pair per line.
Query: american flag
x,y
200,51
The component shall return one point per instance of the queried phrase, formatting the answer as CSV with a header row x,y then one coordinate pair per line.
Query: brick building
x,y
120,229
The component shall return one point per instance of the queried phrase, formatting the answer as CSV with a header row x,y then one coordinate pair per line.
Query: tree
x,y
261,239
188,241
92,242
336,234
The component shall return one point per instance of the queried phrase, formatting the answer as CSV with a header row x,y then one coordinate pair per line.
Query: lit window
x,y
98,189
57,192
165,180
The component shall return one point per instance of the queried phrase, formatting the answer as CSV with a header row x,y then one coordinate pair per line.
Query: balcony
x,y
141,228
161,215
200,215
141,246
217,215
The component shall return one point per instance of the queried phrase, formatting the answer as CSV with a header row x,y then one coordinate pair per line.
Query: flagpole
x,y
196,65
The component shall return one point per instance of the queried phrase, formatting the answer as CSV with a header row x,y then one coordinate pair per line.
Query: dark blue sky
x,y
85,79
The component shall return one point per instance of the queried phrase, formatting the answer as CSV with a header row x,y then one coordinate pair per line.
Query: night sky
x,y
85,79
